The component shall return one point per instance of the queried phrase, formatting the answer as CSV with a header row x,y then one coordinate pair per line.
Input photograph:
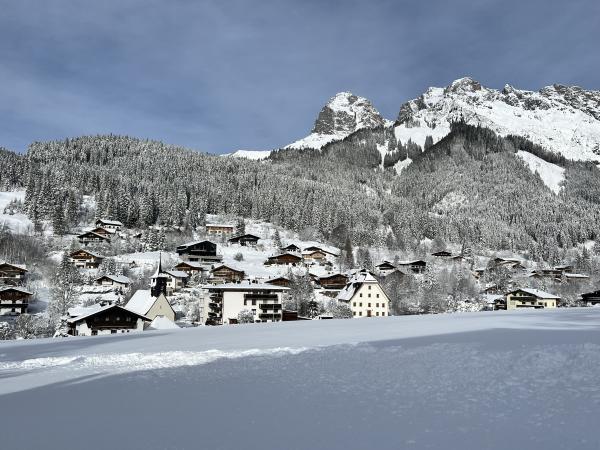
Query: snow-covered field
x,y
496,380
19,223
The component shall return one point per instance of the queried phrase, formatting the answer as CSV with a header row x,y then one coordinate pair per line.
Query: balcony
x,y
267,316
273,306
215,306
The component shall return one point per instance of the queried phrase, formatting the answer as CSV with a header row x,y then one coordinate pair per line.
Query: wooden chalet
x,y
90,237
417,266
109,319
285,259
319,249
335,281
442,254
84,259
226,274
244,240
291,248
591,298
189,267
199,251
13,274
113,280
314,256
14,300
530,298
384,269
280,281
113,225
216,229
511,263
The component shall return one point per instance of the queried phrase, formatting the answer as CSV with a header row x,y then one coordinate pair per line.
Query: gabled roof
x,y
142,301
193,264
285,254
103,309
385,264
355,283
290,246
327,277
247,287
223,266
15,288
177,273
95,255
16,266
87,233
409,263
536,293
110,222
314,248
246,236
192,243
122,279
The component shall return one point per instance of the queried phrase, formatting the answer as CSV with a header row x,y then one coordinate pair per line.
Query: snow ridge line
x,y
137,361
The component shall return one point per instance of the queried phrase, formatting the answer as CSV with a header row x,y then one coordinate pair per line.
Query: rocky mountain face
x,y
562,119
343,114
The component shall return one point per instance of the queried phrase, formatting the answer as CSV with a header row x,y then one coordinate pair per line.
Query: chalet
x,y
442,254
13,274
565,268
120,281
216,229
365,296
558,276
84,259
575,277
319,249
285,259
280,281
167,281
417,266
530,298
177,280
244,240
314,256
510,263
113,225
199,251
384,269
108,319
191,268
335,281
291,248
90,237
14,300
226,274
228,300
149,306
103,231
591,298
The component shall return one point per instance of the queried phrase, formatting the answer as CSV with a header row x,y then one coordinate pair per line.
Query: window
x,y
360,313
369,295
377,295
128,319
253,302
376,313
360,295
113,331
369,287
369,305
353,313
118,319
106,319
354,304
360,304
377,305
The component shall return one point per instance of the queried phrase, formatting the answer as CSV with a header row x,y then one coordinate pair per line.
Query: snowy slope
x,y
497,380
250,154
18,223
562,119
343,114
551,174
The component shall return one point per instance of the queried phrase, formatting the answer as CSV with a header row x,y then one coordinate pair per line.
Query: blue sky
x,y
224,75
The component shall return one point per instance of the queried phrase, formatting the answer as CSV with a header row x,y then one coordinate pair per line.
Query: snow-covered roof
x,y
355,283
536,293
91,232
177,273
141,301
162,323
15,288
17,266
193,264
576,275
110,222
122,279
77,311
95,255
223,225
104,308
247,287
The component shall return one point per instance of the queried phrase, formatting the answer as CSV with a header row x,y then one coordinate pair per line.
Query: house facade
x,y
417,266
365,296
591,298
109,319
245,240
314,257
225,274
113,225
191,268
14,300
285,259
530,298
204,252
335,281
84,259
113,280
90,237
12,274
384,269
226,301
216,229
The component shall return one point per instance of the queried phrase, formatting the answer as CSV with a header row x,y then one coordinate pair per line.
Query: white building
x,y
365,296
226,301
143,303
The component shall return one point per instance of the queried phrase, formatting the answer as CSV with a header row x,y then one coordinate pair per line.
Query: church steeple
x,y
159,280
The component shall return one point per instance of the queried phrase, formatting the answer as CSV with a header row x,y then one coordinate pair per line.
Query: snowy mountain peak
x,y
563,119
343,114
